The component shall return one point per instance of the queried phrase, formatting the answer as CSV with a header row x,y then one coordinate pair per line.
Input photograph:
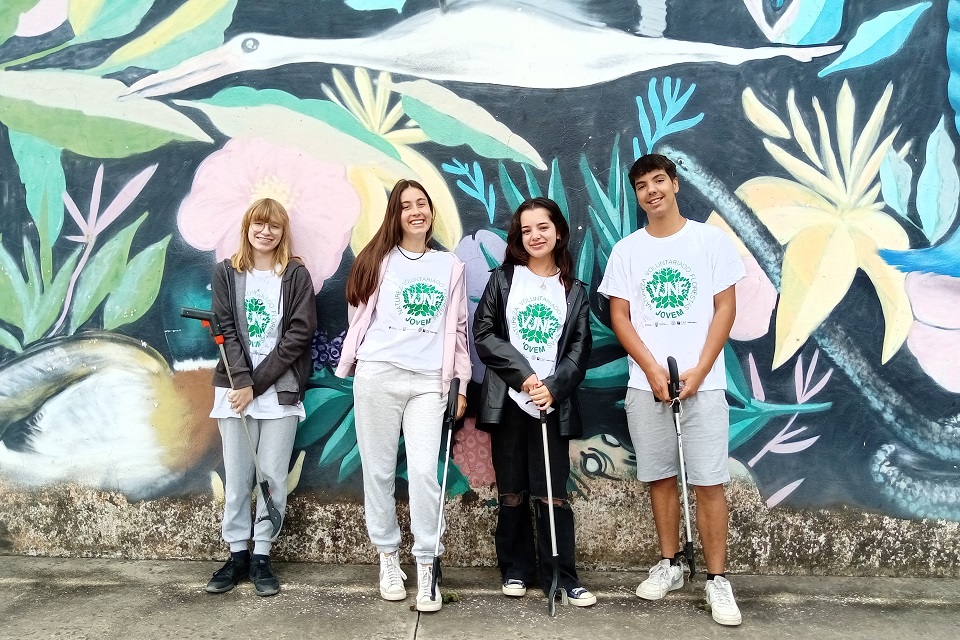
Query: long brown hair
x,y
267,211
516,254
365,273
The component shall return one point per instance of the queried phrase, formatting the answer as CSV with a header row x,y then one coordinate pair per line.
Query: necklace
x,y
543,279
403,253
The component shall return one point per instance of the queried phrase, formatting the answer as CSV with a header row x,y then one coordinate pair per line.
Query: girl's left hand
x,y
240,399
461,405
541,397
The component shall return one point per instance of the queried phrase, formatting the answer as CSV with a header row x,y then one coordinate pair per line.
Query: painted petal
x,y
826,150
846,108
762,117
373,203
800,130
784,206
928,345
805,173
889,283
756,299
125,198
935,299
882,229
818,267
44,17
866,143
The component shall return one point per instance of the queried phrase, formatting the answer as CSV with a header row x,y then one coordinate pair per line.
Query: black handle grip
x,y
208,317
452,402
674,380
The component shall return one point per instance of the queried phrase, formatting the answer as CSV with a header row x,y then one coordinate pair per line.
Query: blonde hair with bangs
x,y
269,211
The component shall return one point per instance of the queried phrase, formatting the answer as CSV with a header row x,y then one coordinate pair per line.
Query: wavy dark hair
x,y
365,273
517,255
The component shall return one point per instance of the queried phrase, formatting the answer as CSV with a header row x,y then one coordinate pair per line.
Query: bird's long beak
x,y
189,73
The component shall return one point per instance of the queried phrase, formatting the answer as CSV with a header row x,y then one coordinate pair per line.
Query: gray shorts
x,y
705,424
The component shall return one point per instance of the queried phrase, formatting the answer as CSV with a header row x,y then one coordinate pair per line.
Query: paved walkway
x,y
150,600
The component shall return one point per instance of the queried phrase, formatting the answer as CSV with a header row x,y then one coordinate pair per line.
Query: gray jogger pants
x,y
387,397
273,440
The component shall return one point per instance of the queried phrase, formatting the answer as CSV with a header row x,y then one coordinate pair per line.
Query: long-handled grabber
x,y
449,419
209,319
555,558
677,410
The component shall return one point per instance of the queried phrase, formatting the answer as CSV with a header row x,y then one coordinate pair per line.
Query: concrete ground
x,y
165,600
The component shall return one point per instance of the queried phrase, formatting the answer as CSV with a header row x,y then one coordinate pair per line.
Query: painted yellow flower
x,y
370,106
830,218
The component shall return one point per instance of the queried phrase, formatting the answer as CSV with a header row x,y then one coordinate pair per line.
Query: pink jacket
x,y
456,355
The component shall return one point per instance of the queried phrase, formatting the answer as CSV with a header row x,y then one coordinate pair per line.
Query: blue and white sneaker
x,y
580,597
514,587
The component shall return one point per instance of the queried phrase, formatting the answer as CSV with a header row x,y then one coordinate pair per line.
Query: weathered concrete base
x,y
614,528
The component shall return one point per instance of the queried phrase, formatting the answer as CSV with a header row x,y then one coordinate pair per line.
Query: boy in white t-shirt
x,y
671,293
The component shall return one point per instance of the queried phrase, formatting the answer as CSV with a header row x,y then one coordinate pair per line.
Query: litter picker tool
x,y
554,558
449,419
677,411
209,319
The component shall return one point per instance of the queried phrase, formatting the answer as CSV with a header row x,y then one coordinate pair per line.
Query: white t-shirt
x,y
407,325
262,302
536,311
670,283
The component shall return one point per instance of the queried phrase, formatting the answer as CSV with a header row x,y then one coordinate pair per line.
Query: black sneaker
x,y
264,580
226,578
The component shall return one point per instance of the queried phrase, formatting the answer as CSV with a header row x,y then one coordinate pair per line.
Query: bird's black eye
x,y
249,45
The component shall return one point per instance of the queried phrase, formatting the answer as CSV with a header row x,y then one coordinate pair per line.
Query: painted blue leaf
x,y
938,187
375,5
655,99
953,58
586,258
645,129
469,190
877,39
896,178
680,125
491,203
533,186
555,190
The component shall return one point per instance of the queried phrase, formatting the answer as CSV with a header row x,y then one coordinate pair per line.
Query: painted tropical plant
x,y
829,214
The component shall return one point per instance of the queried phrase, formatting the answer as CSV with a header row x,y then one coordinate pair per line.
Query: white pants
x,y
273,441
387,398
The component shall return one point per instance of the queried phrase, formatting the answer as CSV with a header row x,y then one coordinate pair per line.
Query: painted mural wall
x,y
821,134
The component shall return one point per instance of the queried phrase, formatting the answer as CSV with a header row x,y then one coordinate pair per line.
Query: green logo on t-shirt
x,y
258,320
668,289
420,301
537,324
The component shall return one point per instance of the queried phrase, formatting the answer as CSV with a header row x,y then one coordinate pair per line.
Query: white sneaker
x,y
580,597
391,577
663,579
721,603
427,601
514,587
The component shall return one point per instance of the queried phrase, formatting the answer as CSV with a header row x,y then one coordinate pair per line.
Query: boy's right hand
x,y
659,380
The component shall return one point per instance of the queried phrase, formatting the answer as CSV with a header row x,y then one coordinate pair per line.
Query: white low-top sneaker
x,y
426,599
580,597
391,577
721,603
664,578
514,587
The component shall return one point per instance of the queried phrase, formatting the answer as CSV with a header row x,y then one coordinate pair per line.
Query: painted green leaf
x,y
10,11
509,188
451,121
457,483
42,175
320,128
111,19
9,341
349,464
607,376
555,190
325,409
15,299
102,275
34,281
138,288
877,39
586,258
896,177
50,304
341,442
195,27
86,114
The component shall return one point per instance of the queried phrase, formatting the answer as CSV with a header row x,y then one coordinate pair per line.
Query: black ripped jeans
x,y
517,448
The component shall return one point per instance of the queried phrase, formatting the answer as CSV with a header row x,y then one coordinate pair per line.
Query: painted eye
x,y
249,45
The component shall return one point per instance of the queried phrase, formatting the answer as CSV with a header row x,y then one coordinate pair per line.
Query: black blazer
x,y
508,368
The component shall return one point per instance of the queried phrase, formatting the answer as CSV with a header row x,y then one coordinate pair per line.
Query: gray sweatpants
x,y
273,440
387,397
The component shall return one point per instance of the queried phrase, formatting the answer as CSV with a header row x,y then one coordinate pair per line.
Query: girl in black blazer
x,y
532,331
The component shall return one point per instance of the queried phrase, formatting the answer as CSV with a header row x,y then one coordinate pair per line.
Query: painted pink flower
x,y
756,299
935,333
322,204
471,452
